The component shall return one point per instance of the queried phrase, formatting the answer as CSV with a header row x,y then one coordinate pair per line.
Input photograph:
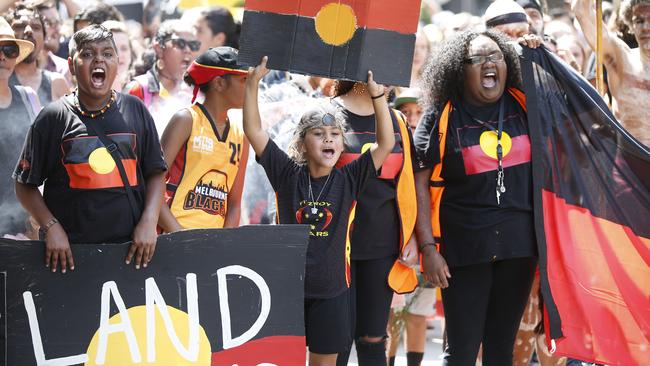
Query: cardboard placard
x,y
340,39
226,297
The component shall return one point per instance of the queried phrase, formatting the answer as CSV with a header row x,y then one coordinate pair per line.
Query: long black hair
x,y
444,76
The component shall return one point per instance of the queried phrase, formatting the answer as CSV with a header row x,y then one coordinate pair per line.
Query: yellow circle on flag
x,y
336,23
488,142
101,161
118,352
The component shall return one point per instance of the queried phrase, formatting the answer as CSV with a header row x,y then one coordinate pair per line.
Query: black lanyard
x,y
500,188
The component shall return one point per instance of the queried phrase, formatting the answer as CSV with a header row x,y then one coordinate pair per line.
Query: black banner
x,y
229,296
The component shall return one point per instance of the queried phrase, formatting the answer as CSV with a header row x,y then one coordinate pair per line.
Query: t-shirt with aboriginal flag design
x,y
327,213
474,228
82,184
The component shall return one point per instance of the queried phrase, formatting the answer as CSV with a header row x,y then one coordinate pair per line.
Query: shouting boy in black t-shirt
x,y
311,191
84,147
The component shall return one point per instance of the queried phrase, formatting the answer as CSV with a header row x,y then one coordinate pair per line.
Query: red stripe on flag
x,y
398,16
82,176
476,161
389,170
276,350
599,275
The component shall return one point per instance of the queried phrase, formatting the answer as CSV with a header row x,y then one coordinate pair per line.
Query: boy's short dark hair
x,y
91,34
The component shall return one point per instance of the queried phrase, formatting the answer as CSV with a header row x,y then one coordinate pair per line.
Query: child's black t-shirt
x,y
327,269
83,187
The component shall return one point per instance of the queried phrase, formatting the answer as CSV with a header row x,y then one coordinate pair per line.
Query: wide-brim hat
x,y
7,34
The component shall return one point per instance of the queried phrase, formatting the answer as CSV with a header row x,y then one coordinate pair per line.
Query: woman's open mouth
x,y
97,77
489,80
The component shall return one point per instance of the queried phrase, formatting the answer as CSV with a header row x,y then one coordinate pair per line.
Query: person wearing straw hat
x,y
206,152
28,25
628,70
16,114
98,155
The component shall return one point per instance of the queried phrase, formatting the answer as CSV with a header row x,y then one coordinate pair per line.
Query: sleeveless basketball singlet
x,y
204,172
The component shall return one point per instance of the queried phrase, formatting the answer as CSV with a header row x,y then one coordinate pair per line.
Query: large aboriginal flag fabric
x,y
339,39
592,182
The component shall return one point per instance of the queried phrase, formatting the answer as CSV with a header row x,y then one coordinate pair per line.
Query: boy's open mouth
x,y
97,77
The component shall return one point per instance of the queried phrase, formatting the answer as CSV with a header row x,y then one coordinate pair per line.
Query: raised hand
x,y
373,88
530,40
255,74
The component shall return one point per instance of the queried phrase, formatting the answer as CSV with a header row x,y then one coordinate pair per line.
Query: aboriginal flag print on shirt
x,y
478,139
337,39
91,166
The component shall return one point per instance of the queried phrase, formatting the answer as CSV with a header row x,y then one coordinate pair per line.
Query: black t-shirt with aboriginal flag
x,y
82,185
327,213
376,229
474,228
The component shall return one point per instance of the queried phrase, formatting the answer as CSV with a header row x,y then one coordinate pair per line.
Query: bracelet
x,y
49,224
378,96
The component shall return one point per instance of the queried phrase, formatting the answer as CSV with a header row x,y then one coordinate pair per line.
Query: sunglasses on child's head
x,y
180,43
10,50
328,119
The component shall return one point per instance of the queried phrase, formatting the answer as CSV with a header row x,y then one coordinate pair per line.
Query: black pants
x,y
484,304
371,298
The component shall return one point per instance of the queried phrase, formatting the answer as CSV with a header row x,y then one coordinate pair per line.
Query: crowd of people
x,y
117,130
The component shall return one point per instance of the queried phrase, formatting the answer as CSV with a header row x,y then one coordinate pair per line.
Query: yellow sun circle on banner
x,y
336,23
488,142
101,161
119,354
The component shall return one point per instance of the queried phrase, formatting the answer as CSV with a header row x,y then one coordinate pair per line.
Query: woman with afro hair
x,y
473,155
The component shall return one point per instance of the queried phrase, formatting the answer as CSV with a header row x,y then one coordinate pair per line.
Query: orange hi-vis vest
x,y
401,278
437,184
204,172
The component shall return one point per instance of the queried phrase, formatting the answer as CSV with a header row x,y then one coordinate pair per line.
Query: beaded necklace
x,y
94,114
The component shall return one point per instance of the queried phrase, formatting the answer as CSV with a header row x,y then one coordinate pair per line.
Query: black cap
x,y
215,62
531,4
224,57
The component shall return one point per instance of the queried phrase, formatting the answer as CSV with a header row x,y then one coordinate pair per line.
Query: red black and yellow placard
x,y
340,39
203,300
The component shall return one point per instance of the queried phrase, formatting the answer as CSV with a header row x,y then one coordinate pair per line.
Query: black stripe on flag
x,y
292,44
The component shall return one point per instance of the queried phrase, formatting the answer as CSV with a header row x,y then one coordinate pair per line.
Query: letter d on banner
x,y
265,295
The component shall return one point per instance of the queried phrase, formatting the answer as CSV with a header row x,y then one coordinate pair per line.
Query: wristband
x,y
378,96
46,228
